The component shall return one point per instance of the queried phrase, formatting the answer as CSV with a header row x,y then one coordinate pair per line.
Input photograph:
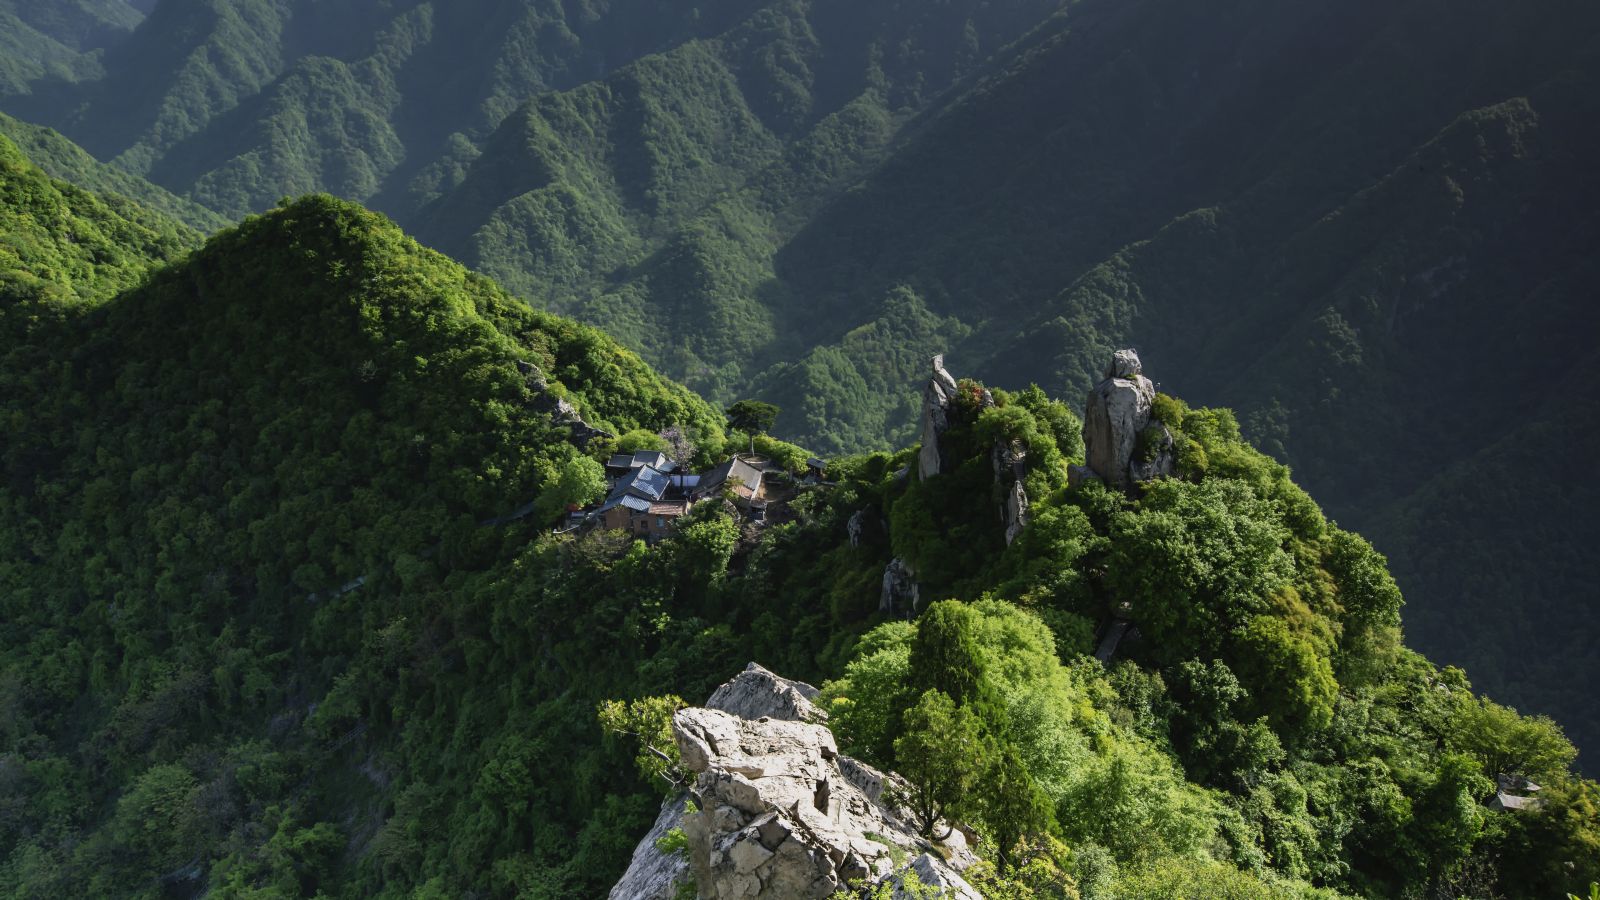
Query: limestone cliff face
x,y
781,812
757,693
1116,413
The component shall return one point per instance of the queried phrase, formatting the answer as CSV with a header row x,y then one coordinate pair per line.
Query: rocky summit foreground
x,y
778,811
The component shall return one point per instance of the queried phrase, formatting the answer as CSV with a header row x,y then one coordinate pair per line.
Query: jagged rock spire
x,y
937,396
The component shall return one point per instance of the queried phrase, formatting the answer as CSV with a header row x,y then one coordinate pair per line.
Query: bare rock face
x,y
652,874
1010,468
938,396
900,593
1125,364
759,693
931,875
752,694
1016,512
782,814
936,399
1117,411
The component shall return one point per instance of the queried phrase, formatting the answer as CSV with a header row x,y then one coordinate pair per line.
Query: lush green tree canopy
x,y
270,630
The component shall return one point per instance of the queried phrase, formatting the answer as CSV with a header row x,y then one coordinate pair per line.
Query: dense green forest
x,y
59,40
63,249
1351,222
260,642
66,161
236,103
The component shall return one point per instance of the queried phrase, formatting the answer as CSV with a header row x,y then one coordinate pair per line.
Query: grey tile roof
x,y
655,459
733,468
626,501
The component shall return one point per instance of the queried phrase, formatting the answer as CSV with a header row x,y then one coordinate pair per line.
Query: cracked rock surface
x,y
781,812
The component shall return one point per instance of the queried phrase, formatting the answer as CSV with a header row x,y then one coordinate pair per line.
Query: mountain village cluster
x,y
649,491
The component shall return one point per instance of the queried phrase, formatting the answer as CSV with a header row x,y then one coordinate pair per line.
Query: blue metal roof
x,y
641,482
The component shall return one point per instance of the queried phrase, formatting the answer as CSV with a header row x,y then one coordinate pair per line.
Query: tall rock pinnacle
x,y
936,398
1116,413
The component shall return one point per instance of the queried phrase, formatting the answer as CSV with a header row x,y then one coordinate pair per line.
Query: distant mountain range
x,y
1368,226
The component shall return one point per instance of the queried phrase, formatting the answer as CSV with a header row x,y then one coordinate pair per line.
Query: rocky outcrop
x,y
752,694
652,873
781,813
1016,512
866,526
560,410
856,527
934,877
899,594
1010,460
937,396
1115,423
759,693
938,399
1153,455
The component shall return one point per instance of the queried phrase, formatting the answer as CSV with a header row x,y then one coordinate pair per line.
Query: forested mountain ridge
x,y
59,40
62,159
654,202
66,249
1369,227
310,397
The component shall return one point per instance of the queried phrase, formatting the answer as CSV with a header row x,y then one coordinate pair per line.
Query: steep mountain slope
x,y
64,160
655,202
56,40
1384,344
79,24
63,249
192,468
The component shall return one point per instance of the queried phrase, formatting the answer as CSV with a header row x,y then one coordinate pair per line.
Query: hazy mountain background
x,y
1369,226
